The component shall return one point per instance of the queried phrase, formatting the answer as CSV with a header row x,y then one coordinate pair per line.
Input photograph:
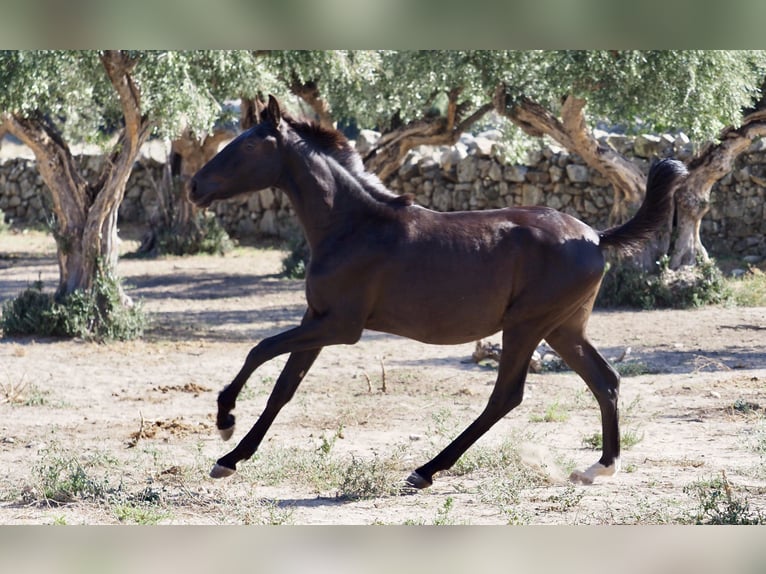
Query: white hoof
x,y
588,475
226,434
219,471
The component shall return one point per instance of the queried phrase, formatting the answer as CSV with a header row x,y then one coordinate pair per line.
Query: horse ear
x,y
273,113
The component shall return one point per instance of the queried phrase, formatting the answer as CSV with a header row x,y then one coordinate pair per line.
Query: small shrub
x,y
750,289
626,285
3,223
62,478
296,262
717,504
370,479
553,414
628,439
138,514
633,369
97,314
178,229
205,235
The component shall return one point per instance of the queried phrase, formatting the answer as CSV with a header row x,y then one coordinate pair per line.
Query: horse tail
x,y
654,213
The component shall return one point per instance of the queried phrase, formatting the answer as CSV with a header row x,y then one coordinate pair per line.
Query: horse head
x,y
251,162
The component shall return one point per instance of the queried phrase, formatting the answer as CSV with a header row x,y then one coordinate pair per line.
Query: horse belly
x,y
443,314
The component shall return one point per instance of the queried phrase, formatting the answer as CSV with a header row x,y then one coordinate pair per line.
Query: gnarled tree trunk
x,y
86,214
693,197
572,132
392,147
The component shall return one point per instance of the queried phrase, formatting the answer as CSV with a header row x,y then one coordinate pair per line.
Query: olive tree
x,y
430,97
703,93
225,76
51,99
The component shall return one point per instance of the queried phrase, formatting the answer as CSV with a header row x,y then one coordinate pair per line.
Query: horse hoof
x,y
579,477
414,480
226,433
219,471
588,475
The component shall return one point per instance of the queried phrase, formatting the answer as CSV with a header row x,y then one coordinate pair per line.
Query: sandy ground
x,y
695,410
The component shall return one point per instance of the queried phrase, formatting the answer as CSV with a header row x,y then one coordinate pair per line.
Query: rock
x,y
515,173
577,173
366,140
466,170
647,146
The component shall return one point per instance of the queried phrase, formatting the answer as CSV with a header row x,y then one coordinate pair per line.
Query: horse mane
x,y
336,145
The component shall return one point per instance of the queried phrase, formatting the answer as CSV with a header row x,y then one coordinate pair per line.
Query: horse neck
x,y
322,195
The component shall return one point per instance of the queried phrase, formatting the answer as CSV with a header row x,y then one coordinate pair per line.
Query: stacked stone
x,y
472,174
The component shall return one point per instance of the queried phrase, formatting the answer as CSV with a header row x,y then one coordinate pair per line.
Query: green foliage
x,y
206,235
62,477
3,223
179,89
554,413
750,289
363,479
628,439
626,285
296,262
697,91
718,504
96,314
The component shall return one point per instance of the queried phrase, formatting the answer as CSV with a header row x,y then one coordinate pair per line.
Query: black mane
x,y
333,143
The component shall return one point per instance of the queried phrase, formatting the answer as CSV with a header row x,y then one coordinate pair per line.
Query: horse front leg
x,y
304,343
261,353
291,376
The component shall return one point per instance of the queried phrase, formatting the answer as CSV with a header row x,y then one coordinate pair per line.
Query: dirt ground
x,y
139,415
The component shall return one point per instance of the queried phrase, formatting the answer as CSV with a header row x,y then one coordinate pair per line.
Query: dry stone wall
x,y
470,175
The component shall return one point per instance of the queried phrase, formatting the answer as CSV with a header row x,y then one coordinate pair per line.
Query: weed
x,y
553,414
364,479
633,369
328,443
628,439
443,423
138,514
717,504
62,477
12,393
265,513
443,514
568,499
750,289
307,466
745,407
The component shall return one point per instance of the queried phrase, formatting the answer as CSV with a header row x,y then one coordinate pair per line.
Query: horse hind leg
x,y
603,381
506,395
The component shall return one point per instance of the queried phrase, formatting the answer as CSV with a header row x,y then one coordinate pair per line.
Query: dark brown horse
x,y
379,262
